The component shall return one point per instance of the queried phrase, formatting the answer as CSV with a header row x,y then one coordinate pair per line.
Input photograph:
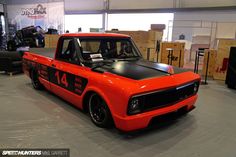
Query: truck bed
x,y
47,52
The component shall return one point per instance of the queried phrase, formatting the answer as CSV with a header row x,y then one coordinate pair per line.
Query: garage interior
x,y
202,34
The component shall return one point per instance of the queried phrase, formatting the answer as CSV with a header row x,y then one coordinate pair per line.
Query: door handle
x,y
53,65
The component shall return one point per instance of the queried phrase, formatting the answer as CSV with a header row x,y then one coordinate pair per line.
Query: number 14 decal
x,y
61,80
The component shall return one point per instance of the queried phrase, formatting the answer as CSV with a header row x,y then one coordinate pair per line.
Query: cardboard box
x,y
222,58
51,40
158,27
211,64
177,58
144,40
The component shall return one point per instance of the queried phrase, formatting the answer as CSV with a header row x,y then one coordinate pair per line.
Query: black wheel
x,y
99,111
35,81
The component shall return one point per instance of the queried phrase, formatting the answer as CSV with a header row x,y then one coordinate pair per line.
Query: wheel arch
x,y
85,100
32,69
88,93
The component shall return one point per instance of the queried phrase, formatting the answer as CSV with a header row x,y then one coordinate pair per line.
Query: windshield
x,y
107,48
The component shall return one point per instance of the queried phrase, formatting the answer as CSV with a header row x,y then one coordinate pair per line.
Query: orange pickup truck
x,y
105,75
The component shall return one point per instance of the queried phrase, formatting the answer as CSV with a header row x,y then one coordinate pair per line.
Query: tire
x,y
35,81
99,111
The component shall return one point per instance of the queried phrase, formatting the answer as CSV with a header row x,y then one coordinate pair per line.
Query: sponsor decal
x,y
96,57
35,13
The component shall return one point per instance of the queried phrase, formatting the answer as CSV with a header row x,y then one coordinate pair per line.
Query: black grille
x,y
168,97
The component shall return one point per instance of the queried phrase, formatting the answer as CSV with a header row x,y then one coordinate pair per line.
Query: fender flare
x,y
101,94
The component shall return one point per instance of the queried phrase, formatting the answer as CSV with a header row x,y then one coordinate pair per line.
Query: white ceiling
x,y
71,5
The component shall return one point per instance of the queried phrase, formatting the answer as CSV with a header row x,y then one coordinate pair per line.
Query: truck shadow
x,y
161,135
157,124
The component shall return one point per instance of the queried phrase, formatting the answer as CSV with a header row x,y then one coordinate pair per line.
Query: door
x,y
67,77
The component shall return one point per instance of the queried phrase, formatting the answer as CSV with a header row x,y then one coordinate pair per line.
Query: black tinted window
x,y
94,49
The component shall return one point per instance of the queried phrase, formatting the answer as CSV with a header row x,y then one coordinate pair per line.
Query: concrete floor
x,y
38,119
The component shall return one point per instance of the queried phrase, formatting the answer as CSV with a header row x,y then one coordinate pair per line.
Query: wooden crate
x,y
155,35
222,58
51,40
211,63
178,53
153,55
143,51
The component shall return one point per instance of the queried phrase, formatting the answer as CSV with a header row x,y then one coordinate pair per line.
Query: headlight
x,y
135,105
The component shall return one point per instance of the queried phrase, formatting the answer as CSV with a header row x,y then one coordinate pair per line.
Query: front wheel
x,y
99,111
35,80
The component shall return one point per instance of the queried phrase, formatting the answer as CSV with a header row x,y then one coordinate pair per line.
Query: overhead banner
x,y
46,15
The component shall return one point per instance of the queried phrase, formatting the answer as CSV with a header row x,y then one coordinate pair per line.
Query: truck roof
x,y
95,35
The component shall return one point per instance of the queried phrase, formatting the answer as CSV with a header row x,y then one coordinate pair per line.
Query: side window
x,y
67,51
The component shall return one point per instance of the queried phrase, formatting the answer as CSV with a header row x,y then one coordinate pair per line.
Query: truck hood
x,y
140,76
139,69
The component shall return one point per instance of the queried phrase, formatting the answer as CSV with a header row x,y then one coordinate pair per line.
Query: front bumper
x,y
142,120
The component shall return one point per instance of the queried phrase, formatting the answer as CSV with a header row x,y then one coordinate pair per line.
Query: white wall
x,y
133,22
206,3
79,5
225,19
85,22
140,4
146,4
221,16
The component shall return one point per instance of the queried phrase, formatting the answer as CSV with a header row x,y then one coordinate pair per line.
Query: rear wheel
x,y
99,111
35,80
